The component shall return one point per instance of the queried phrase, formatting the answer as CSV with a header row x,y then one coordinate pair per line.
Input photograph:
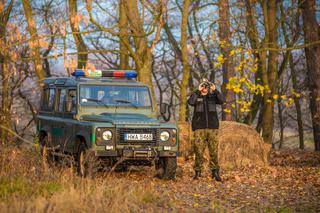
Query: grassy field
x,y
27,186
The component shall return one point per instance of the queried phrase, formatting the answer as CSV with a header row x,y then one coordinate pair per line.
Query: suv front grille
x,y
122,131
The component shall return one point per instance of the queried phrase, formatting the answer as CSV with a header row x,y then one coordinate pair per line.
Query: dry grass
x,y
239,145
27,186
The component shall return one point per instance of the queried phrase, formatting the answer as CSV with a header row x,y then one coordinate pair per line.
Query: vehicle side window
x,y
45,99
62,93
72,93
52,93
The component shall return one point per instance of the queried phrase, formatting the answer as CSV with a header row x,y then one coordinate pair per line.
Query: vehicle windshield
x,y
134,96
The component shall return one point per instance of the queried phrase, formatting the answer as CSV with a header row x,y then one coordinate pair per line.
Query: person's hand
x,y
212,87
200,88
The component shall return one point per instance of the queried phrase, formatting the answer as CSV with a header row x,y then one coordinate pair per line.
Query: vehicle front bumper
x,y
135,153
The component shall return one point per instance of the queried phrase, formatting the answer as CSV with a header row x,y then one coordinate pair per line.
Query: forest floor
x,y
291,183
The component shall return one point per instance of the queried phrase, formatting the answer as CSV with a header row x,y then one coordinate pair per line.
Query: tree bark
x,y
288,57
142,55
5,117
269,78
253,36
185,62
311,34
123,26
297,102
34,41
82,50
228,65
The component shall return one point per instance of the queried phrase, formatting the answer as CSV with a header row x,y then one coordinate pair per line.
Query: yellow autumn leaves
x,y
244,84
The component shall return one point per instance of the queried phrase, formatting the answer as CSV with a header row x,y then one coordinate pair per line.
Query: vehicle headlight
x,y
107,135
164,136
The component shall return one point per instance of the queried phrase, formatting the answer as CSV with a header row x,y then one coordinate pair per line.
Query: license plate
x,y
138,137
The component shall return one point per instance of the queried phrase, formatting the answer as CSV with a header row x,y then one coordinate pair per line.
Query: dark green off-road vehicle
x,y
106,121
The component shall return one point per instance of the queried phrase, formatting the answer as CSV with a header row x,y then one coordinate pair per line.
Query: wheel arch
x,y
79,139
45,131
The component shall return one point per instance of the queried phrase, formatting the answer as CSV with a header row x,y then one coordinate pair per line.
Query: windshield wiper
x,y
126,102
97,101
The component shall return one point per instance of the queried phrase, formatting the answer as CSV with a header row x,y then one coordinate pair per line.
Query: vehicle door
x,y
59,126
46,113
71,123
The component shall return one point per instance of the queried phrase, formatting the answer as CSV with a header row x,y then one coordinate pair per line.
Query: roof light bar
x,y
105,73
78,73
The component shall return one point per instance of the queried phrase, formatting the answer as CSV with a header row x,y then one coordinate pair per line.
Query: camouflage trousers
x,y
201,139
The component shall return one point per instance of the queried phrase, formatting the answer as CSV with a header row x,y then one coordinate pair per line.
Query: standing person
x,y
205,126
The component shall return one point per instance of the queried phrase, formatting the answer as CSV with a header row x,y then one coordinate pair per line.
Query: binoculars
x,y
206,84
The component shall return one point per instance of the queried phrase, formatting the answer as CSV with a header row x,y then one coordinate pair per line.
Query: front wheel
x,y
166,167
87,163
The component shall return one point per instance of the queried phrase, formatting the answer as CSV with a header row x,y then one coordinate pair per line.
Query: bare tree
x,y
34,41
227,66
82,50
185,62
312,34
5,117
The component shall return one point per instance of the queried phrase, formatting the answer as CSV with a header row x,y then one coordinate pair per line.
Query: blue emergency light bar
x,y
105,73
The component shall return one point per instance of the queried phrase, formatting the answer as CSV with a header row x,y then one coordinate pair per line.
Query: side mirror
x,y
68,105
163,108
165,111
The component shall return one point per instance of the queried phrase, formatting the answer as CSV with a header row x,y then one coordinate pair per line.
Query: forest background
x,y
262,54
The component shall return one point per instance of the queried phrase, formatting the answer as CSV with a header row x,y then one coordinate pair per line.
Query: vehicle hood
x,y
122,118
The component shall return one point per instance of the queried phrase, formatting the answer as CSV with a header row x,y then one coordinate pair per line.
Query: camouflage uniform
x,y
201,139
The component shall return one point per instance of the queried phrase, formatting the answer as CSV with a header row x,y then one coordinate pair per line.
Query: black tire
x,y
121,168
45,152
166,168
87,164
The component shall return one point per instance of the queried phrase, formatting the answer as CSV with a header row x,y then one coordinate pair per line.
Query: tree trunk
x,y
269,78
260,56
123,25
228,65
5,105
82,49
311,34
289,57
297,102
185,62
281,124
34,41
5,115
143,55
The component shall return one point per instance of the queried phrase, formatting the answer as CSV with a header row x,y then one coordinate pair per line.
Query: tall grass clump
x,y
26,185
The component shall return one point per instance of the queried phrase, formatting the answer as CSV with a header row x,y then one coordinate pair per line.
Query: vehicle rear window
x,y
62,95
48,99
52,94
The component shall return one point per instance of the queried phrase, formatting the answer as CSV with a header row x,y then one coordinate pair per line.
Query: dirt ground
x,y
290,183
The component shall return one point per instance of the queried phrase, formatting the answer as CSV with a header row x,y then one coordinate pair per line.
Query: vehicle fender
x,y
85,134
47,129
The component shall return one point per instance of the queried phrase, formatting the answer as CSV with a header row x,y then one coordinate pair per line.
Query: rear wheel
x,y
166,167
87,163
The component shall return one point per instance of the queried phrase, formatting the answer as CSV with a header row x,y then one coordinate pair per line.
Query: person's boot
x,y
215,175
197,175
